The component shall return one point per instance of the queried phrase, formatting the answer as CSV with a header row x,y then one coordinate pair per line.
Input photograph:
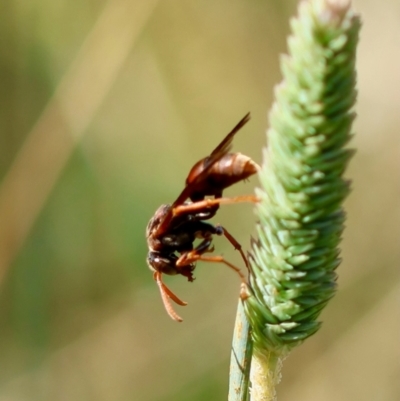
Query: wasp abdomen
x,y
230,169
235,165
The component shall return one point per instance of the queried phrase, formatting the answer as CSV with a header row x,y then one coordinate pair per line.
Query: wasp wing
x,y
226,143
222,149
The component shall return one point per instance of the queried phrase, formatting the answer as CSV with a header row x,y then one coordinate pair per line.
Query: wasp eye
x,y
162,263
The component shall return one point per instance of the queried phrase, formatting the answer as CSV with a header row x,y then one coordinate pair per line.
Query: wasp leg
x,y
190,257
166,295
207,203
234,242
198,254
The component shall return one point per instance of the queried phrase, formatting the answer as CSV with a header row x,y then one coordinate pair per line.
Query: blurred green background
x,y
105,106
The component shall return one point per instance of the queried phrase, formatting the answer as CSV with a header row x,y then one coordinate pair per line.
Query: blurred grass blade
x,y
239,372
68,114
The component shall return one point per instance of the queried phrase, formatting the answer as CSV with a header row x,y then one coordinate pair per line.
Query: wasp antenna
x,y
173,296
165,291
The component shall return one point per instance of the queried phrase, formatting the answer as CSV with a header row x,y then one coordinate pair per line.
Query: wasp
x,y
174,228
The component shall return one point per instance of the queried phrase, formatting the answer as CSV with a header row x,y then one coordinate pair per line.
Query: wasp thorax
x,y
158,217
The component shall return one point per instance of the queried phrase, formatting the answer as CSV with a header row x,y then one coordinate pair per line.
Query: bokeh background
x,y
105,106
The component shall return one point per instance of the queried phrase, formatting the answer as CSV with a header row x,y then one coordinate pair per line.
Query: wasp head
x,y
166,263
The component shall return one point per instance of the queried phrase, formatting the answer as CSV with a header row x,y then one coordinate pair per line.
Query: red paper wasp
x,y
173,229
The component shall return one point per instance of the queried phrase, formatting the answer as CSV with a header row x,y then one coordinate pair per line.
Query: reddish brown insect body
x,y
230,169
173,229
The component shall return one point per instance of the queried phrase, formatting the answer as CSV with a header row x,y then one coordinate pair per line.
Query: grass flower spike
x,y
294,258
